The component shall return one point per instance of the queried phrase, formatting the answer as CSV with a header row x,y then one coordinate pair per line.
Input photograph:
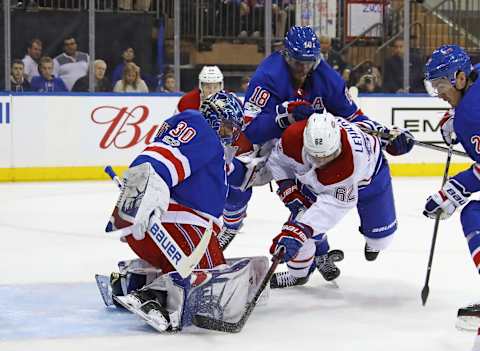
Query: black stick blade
x,y
425,292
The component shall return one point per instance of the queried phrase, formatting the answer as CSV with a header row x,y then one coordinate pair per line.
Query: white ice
x,y
52,244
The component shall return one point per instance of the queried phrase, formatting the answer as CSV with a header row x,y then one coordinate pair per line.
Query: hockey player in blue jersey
x,y
287,86
449,75
172,199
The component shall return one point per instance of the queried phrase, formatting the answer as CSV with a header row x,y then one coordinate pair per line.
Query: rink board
x,y
72,137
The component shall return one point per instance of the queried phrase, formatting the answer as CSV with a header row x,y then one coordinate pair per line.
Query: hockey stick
x,y
182,263
426,289
389,136
229,327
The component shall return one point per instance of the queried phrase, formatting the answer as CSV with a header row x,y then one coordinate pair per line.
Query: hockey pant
x,y
187,236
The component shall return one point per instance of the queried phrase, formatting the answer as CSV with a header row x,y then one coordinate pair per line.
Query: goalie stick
x,y
183,265
389,136
235,327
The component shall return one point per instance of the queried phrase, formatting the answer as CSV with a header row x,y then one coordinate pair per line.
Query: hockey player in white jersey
x,y
324,167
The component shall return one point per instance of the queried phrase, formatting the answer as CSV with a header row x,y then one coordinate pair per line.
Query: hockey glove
x,y
446,128
293,199
289,112
292,238
402,142
451,196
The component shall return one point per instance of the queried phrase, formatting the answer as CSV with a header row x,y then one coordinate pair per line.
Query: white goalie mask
x,y
210,80
321,138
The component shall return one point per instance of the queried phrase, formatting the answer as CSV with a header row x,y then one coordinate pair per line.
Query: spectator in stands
x,y
71,64
131,81
333,59
30,61
393,74
370,81
47,82
128,55
244,84
169,84
18,80
102,84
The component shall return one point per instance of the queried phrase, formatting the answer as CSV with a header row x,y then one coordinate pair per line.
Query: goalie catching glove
x,y
289,112
451,196
292,238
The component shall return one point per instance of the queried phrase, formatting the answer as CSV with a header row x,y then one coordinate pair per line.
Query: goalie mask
x,y
224,113
210,81
321,138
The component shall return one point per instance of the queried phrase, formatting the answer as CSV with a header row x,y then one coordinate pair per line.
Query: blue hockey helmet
x,y
224,113
446,61
302,44
442,67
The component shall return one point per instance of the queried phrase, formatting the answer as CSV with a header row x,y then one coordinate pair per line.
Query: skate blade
x,y
467,323
103,284
139,313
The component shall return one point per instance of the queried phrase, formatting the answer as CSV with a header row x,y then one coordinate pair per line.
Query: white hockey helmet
x,y
210,74
321,137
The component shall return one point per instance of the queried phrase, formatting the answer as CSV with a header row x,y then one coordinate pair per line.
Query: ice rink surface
x,y
52,244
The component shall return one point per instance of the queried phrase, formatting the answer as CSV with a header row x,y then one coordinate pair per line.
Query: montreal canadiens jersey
x,y
467,128
272,85
190,100
335,186
188,155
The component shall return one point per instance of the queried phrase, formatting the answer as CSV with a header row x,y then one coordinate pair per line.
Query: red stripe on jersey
x,y
171,157
476,259
341,168
292,140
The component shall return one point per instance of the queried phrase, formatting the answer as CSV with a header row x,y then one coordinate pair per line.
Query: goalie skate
x,y
144,305
468,318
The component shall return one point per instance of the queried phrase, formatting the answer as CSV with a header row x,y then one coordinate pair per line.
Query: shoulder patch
x,y
292,140
341,168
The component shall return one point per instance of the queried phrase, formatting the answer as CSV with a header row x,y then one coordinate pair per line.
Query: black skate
x,y
326,264
468,318
285,279
226,236
370,254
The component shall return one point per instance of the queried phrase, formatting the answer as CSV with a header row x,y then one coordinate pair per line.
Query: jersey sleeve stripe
x,y
163,169
178,167
476,170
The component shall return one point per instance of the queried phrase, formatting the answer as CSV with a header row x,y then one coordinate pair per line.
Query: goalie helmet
x,y
224,113
210,74
321,137
301,43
